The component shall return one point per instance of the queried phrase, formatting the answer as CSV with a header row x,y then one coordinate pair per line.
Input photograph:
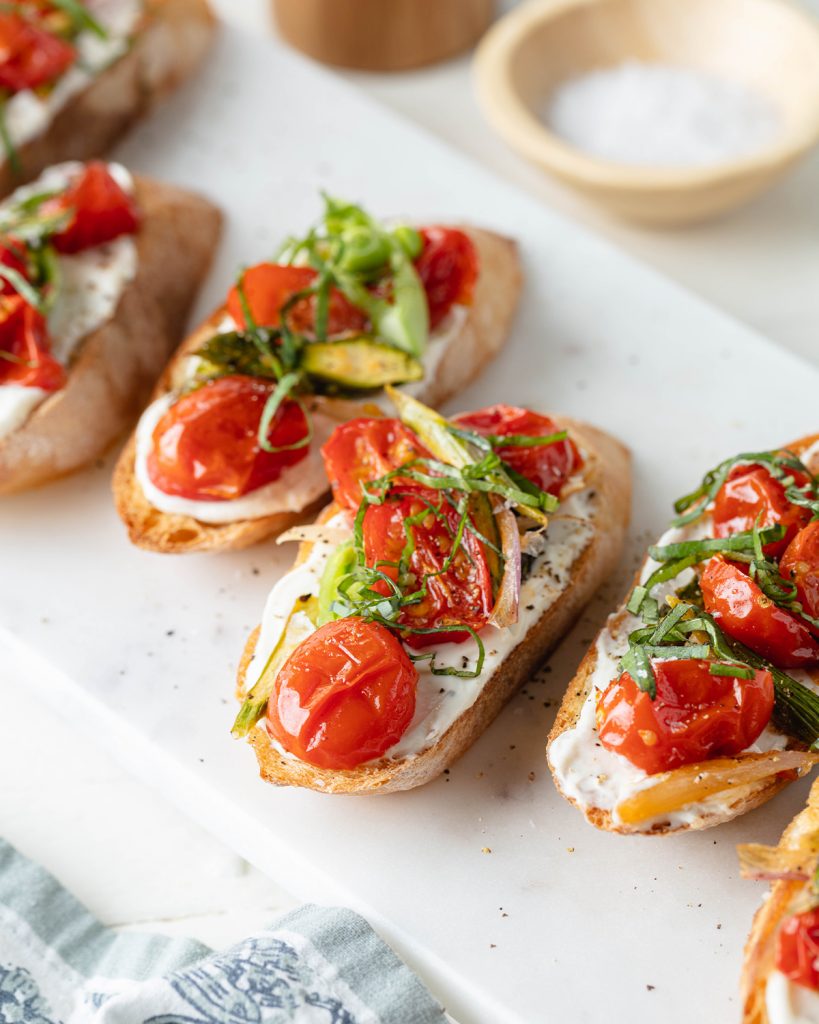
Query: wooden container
x,y
767,45
382,35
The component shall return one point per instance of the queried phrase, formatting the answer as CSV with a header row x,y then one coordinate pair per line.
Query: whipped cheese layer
x,y
91,283
594,777
441,700
299,485
29,113
789,1003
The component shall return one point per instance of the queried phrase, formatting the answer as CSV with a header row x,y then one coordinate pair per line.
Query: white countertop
x,y
117,845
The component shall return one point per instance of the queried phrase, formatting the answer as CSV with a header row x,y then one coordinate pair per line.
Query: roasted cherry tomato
x,y
746,614
448,268
29,56
548,466
344,696
206,445
12,256
695,715
25,357
268,286
800,563
797,948
102,210
750,492
458,595
366,449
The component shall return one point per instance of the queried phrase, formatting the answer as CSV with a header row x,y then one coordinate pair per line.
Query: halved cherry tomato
x,y
102,210
797,948
267,288
746,614
800,563
24,338
13,256
448,268
367,449
29,56
548,466
344,696
751,492
695,715
206,446
458,595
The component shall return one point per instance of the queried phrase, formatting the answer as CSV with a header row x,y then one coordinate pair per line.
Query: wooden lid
x,y
382,35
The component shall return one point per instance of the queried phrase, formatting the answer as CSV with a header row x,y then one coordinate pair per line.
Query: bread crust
x,y
481,337
609,474
115,366
783,900
170,43
748,796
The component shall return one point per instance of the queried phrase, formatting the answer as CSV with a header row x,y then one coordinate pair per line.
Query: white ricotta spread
x,y
295,489
299,485
789,1003
595,777
28,114
16,404
440,700
90,285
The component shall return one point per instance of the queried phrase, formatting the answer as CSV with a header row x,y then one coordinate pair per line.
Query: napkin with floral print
x,y
315,965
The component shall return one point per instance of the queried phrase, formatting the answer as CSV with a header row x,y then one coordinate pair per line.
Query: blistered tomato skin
x,y
344,696
24,338
205,447
695,715
797,949
29,55
746,614
800,563
268,287
367,449
547,466
749,494
448,267
102,210
459,594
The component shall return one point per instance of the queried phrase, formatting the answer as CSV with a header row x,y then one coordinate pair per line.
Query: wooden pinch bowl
x,y
765,45
382,35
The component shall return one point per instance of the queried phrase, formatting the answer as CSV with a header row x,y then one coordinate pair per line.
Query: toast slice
x,y
116,365
169,44
719,808
479,339
607,475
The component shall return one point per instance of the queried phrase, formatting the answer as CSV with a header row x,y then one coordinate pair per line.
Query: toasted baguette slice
x,y
717,810
608,475
115,366
483,333
801,836
170,42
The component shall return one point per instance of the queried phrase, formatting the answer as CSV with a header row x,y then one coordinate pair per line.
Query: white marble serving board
x,y
558,922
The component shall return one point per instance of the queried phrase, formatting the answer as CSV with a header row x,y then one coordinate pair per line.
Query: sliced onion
x,y
312,532
507,603
769,863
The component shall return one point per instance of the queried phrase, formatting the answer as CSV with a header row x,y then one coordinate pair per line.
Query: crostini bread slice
x,y
170,42
608,475
802,834
116,365
747,796
482,335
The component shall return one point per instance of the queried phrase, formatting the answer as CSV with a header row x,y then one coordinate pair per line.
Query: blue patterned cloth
x,y
316,965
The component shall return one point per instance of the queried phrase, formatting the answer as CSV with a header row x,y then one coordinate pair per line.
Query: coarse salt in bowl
x,y
663,111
